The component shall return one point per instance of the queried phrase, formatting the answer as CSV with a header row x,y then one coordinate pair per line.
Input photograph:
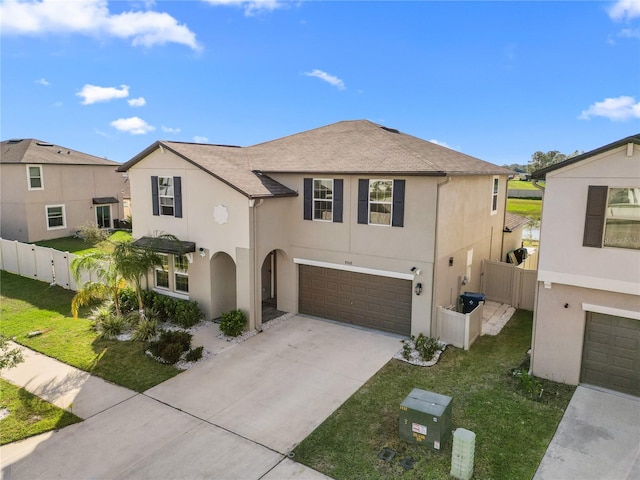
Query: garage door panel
x,y
611,353
367,300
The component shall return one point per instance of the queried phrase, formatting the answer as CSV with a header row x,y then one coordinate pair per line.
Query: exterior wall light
x,y
202,254
418,288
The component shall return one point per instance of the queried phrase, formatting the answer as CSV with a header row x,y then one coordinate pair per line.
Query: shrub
x,y
109,328
194,354
145,330
170,344
187,313
530,384
426,346
128,300
91,233
233,322
101,313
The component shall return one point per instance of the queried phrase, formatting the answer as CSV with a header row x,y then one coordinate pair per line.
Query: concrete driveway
x,y
598,438
234,416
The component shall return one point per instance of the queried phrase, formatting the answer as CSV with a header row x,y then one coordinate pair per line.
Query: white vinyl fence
x,y
459,329
40,263
508,283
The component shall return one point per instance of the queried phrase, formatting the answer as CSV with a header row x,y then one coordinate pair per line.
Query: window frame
x,y
316,200
608,215
162,196
100,207
180,272
164,269
378,202
495,190
29,177
63,215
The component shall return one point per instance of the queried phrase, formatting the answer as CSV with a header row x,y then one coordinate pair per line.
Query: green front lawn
x,y
81,247
28,305
512,430
28,414
521,185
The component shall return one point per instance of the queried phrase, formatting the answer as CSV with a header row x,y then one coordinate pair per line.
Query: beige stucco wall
x,y
466,224
201,193
562,256
569,273
559,331
74,186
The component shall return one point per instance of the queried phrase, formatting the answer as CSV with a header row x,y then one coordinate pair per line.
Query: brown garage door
x,y
365,300
611,353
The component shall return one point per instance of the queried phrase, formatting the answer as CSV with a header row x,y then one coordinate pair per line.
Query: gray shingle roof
x,y
348,147
513,221
32,151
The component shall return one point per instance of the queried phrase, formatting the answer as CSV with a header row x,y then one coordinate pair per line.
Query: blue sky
x,y
496,80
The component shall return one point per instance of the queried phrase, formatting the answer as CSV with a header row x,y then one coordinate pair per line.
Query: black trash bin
x,y
470,300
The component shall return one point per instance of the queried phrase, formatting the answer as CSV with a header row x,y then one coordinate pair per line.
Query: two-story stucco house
x,y
587,316
49,191
353,222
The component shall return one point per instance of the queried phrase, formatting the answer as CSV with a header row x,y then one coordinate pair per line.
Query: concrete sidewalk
x,y
65,386
598,438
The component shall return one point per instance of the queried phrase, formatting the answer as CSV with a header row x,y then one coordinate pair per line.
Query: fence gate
x,y
507,283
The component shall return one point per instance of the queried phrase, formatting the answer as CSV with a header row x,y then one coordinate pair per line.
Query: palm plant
x,y
107,285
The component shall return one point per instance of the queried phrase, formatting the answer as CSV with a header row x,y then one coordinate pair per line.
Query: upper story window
x,y
323,199
622,218
55,217
612,217
34,175
165,192
494,195
166,196
381,202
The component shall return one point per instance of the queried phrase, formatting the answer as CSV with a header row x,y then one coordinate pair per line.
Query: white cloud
x,y
629,33
132,125
444,144
137,102
330,79
199,139
251,7
170,130
617,109
92,17
625,10
94,94
42,82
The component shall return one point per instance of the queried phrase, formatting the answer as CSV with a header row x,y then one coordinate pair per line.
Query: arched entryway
x,y
269,289
223,284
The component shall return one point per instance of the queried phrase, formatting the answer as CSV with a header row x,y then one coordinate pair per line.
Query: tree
x,y
9,357
107,286
541,160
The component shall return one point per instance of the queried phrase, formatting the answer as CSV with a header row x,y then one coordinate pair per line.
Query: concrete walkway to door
x,y
234,416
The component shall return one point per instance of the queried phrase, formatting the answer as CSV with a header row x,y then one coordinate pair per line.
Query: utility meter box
x,y
425,419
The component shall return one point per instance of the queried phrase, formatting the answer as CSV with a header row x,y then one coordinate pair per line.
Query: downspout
x,y
504,219
434,276
535,302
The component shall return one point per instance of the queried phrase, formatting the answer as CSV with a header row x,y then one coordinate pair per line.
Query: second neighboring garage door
x,y
371,301
611,353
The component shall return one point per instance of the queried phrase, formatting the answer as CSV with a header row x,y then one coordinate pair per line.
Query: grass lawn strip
x,y
527,207
79,246
512,430
28,305
28,414
521,185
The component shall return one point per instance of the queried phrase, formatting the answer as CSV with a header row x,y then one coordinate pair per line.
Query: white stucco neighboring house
x,y
354,222
587,315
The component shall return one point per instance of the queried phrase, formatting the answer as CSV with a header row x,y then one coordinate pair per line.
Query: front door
x,y
103,216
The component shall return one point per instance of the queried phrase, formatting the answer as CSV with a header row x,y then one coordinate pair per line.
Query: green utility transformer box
x,y
425,419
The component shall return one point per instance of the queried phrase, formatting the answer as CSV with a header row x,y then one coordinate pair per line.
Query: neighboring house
x,y
587,317
49,191
353,221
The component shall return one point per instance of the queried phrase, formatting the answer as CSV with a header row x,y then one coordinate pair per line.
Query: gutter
x,y
535,302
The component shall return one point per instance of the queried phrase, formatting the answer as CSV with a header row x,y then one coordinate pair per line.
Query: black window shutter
x,y
594,221
308,198
177,196
338,186
398,203
155,199
363,200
